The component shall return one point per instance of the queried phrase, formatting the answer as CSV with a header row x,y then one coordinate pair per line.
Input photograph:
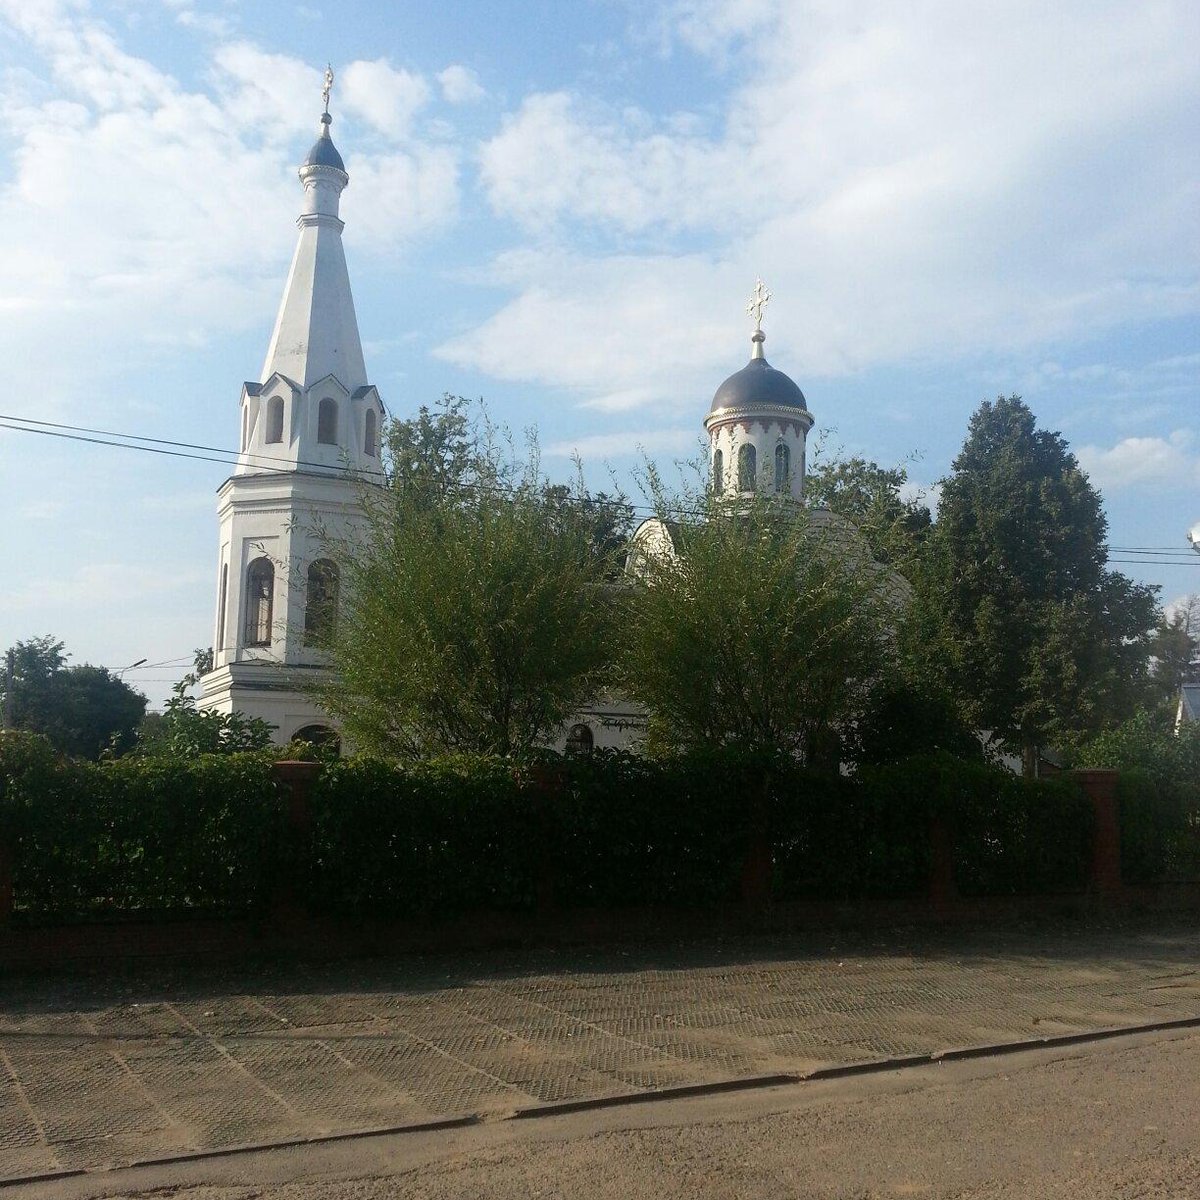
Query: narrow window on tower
x,y
327,422
222,598
275,419
718,476
260,597
783,467
747,467
371,435
320,609
245,423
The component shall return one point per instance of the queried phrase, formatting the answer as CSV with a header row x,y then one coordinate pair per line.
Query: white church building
x,y
309,438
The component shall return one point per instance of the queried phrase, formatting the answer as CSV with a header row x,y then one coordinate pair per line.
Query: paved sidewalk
x,y
106,1070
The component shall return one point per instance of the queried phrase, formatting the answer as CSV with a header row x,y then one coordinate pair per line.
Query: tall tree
x,y
873,497
1035,636
475,613
1175,650
763,627
81,709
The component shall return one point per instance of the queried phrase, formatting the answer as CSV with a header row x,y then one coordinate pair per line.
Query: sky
x,y
561,206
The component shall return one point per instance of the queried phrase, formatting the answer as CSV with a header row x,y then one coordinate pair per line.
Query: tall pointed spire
x,y
316,332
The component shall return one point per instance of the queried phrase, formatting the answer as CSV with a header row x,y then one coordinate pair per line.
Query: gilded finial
x,y
328,86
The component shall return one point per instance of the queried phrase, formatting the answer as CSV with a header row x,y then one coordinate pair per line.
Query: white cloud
x,y
402,196
271,94
140,213
1142,461
623,334
460,85
911,183
595,446
386,97
553,160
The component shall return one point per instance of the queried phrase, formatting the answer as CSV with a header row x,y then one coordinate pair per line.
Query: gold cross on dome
x,y
759,299
328,85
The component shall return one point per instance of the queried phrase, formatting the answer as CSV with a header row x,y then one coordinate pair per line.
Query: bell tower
x,y
309,441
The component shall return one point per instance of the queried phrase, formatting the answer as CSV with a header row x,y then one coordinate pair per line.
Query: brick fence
x,y
287,927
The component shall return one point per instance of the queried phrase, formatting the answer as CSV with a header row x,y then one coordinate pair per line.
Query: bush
x,y
418,839
138,834
470,833
1159,796
642,831
1160,828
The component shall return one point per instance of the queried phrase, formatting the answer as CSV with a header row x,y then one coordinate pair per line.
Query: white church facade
x,y
310,432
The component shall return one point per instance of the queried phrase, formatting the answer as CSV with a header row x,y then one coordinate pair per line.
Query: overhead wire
x,y
1142,555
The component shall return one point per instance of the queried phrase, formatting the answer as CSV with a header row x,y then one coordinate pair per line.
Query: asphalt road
x,y
1112,1119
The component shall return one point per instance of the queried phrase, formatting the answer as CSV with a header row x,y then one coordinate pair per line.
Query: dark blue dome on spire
x,y
324,152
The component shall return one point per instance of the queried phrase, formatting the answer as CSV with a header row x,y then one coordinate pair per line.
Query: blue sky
x,y
561,207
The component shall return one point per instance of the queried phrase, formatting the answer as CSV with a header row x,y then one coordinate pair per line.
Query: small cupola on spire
x,y
324,153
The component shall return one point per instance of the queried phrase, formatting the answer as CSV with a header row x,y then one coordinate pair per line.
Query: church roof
x,y
757,384
324,152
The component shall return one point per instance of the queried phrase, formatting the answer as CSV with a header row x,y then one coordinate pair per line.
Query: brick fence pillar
x,y
943,891
295,780
1101,788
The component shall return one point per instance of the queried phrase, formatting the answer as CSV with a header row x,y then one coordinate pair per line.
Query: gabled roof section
x,y
267,384
326,381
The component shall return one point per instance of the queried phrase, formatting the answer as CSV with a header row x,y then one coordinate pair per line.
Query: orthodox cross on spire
x,y
759,299
328,86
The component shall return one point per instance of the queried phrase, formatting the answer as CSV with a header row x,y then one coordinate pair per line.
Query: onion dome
x,y
324,152
758,385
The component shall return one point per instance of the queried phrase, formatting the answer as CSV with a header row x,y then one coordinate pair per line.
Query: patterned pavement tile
x,y
99,1072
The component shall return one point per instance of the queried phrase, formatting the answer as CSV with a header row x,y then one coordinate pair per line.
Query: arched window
x,y
275,419
371,434
783,467
260,597
327,422
319,735
320,609
222,597
747,467
245,423
580,740
718,476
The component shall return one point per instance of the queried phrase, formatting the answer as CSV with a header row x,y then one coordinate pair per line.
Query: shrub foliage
x,y
468,833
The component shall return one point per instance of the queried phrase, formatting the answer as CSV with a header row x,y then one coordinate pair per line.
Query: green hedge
x,y
137,834
470,834
417,839
1160,827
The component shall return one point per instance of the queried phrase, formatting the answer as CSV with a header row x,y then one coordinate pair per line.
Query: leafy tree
x,y
440,454
184,730
895,526
1175,650
1031,632
764,628
81,709
475,614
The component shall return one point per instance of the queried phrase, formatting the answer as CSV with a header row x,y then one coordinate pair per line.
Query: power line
x,y
231,457
1146,555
